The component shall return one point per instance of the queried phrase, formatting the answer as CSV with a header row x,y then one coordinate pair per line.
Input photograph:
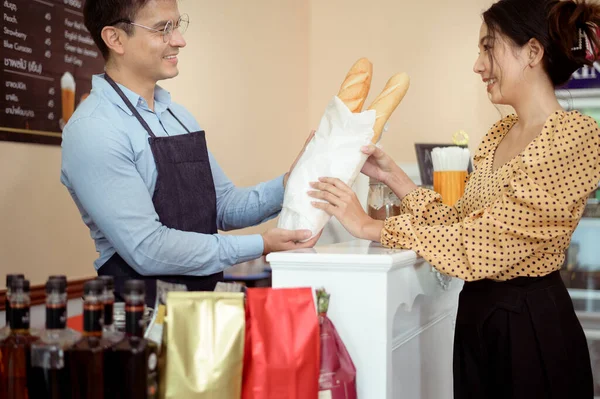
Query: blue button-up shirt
x,y
109,170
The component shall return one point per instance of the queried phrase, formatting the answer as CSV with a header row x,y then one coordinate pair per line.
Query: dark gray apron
x,y
184,199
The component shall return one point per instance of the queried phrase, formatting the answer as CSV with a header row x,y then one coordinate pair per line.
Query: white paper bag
x,y
334,151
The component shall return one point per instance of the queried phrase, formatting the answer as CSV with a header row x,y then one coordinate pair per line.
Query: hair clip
x,y
591,53
582,36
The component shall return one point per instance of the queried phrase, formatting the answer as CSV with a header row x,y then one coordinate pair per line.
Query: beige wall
x,y
257,75
244,76
41,232
434,42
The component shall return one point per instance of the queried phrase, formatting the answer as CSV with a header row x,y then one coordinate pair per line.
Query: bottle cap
x,y
133,287
55,284
11,277
108,281
58,277
19,284
93,287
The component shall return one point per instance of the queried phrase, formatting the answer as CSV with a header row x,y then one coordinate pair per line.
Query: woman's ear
x,y
534,52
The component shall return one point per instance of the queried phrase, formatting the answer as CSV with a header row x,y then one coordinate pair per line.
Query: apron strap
x,y
129,105
177,119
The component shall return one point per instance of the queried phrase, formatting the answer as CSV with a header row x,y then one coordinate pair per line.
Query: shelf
x,y
577,293
592,335
589,222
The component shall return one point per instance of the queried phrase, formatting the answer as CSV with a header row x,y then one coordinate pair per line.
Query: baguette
x,y
387,101
355,88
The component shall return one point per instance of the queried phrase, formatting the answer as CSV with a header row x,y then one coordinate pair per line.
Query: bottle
x,y
109,331
85,359
15,349
49,377
5,331
76,335
133,361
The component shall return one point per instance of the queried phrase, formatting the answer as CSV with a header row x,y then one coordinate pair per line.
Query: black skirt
x,y
520,339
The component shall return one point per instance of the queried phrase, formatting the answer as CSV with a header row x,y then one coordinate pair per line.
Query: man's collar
x,y
162,98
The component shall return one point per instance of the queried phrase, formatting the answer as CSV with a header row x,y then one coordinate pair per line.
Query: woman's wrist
x,y
399,182
372,230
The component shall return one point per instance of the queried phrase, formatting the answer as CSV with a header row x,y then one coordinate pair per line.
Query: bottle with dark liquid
x,y
132,363
76,334
49,377
60,277
5,331
14,350
109,331
85,359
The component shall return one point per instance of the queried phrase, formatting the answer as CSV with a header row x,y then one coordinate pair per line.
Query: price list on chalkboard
x,y
48,59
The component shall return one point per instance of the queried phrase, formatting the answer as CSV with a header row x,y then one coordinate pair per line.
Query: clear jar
x,y
382,203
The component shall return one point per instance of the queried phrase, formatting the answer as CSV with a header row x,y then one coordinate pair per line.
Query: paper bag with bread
x,y
335,151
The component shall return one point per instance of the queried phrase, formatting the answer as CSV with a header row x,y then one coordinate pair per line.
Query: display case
x,y
581,274
581,270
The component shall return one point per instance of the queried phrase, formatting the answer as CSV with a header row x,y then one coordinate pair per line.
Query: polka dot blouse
x,y
514,221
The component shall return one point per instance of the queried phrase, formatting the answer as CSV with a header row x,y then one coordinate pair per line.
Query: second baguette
x,y
388,100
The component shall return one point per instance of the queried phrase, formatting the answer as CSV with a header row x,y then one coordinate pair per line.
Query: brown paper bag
x,y
204,345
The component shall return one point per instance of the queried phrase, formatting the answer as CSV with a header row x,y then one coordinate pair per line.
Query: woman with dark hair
x,y
517,335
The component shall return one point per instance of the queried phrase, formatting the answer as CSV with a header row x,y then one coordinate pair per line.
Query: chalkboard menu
x,y
48,59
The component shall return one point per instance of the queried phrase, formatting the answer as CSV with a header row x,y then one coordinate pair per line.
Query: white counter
x,y
393,311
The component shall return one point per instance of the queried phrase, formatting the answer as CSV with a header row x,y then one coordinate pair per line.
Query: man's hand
x,y
276,240
287,175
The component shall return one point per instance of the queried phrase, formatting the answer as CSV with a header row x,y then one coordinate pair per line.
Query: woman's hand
x,y
379,165
343,203
382,167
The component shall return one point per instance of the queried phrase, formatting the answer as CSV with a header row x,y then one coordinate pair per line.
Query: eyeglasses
x,y
166,32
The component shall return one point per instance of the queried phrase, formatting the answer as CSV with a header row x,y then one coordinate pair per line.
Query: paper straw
x,y
450,158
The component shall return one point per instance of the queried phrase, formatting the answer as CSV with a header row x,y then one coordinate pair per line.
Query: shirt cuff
x,y
397,233
417,199
250,247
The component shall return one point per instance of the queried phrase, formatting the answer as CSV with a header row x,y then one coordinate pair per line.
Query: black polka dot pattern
x,y
514,221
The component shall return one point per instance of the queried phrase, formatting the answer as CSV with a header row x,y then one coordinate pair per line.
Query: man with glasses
x,y
137,165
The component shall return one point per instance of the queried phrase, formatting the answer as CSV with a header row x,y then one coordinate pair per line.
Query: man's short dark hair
x,y
100,13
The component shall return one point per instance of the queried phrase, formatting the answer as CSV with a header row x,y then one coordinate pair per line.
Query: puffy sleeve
x,y
426,208
536,212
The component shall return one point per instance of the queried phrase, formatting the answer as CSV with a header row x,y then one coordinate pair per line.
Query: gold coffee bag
x,y
204,345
